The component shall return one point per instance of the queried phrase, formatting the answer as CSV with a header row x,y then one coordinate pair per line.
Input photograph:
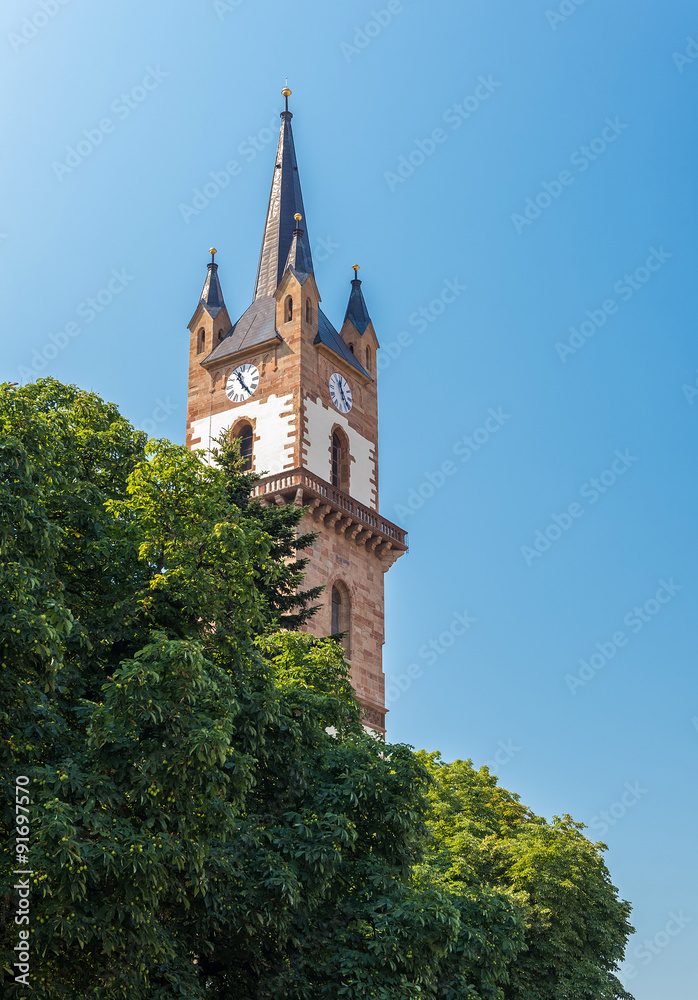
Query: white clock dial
x,y
242,383
340,392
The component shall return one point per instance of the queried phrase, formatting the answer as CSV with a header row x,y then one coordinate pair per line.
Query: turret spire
x,y
357,313
297,258
285,202
212,293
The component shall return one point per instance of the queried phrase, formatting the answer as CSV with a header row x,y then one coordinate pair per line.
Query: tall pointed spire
x,y
285,201
212,293
357,312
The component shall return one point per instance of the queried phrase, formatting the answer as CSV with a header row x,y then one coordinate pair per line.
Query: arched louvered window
x,y
288,309
245,437
308,311
341,460
336,609
341,615
369,360
336,460
202,341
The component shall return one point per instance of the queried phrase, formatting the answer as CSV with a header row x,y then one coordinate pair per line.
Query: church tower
x,y
302,398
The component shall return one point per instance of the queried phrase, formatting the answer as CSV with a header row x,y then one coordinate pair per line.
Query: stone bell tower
x,y
302,398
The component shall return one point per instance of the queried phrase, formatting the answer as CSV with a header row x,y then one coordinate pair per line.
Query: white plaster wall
x,y
320,421
273,451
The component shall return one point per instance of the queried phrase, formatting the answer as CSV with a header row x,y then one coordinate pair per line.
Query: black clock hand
x,y
242,382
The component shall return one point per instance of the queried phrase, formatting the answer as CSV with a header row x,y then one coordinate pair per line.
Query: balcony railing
x,y
315,488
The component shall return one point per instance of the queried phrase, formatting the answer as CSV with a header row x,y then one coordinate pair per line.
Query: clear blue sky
x,y
586,121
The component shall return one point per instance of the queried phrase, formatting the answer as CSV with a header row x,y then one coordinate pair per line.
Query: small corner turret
x,y
209,325
357,330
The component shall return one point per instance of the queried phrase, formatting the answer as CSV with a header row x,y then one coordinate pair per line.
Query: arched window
x,y
220,336
245,438
336,460
288,309
351,348
369,360
202,340
339,476
341,615
308,311
336,609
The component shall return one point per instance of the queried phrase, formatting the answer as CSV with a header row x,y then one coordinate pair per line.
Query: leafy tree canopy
x,y
576,928
209,818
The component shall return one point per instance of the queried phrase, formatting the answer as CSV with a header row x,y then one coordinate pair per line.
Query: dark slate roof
x,y
299,256
356,310
256,326
212,294
328,336
285,200
301,276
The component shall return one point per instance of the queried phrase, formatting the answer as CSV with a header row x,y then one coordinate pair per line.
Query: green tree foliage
x,y
209,819
195,829
576,928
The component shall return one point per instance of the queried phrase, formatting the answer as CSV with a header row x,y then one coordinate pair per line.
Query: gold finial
x,y
298,216
213,252
356,268
287,92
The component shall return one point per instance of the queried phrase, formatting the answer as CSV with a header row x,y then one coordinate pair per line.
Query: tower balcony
x,y
334,507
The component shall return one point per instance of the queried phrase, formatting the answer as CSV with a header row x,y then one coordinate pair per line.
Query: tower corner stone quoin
x,y
302,397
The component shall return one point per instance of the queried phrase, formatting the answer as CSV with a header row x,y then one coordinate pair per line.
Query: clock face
x,y
242,383
340,392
